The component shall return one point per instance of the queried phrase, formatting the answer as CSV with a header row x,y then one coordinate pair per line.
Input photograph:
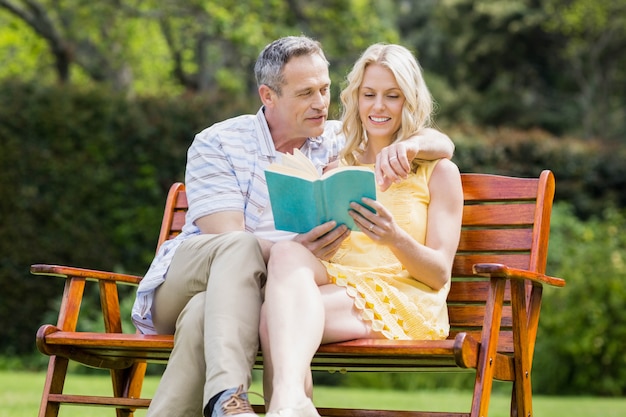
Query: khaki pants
x,y
211,301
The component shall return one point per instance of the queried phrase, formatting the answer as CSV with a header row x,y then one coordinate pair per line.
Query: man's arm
x,y
393,163
229,221
432,144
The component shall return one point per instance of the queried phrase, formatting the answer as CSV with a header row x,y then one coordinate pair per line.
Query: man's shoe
x,y
233,402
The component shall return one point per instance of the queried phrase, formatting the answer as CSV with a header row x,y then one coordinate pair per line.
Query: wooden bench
x,y
494,304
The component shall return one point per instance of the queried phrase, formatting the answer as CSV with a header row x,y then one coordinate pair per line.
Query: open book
x,y
302,199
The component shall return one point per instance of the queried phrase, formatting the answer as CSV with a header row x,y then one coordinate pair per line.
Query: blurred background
x,y
99,101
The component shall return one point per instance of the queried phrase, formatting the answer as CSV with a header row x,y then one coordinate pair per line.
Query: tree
x,y
79,32
493,55
198,45
553,64
214,43
595,31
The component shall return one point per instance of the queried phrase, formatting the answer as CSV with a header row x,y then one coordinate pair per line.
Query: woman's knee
x,y
285,252
287,259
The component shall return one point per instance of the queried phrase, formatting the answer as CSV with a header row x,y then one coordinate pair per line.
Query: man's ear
x,y
267,95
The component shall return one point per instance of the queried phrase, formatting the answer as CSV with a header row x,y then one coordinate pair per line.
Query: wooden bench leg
x,y
127,383
55,380
488,349
522,394
513,401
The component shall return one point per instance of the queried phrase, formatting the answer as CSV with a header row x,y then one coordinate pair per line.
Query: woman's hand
x,y
324,240
379,226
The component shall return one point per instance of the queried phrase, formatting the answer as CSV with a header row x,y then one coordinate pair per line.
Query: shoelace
x,y
237,404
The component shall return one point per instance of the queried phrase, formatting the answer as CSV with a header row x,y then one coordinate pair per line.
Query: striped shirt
x,y
226,172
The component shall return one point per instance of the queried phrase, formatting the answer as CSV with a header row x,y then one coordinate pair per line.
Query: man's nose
x,y
320,101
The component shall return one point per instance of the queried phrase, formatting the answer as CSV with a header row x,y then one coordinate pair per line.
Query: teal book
x,y
301,199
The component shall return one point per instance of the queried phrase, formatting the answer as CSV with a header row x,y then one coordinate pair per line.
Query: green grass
x,y
20,393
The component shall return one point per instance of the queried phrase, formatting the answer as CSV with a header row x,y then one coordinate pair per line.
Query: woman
x,y
390,279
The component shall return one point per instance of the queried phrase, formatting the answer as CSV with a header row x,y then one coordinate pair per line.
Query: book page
x,y
297,165
344,168
305,162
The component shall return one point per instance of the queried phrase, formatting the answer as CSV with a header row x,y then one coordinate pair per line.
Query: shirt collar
x,y
267,143
264,135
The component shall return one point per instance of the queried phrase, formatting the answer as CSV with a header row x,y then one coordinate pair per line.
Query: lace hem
x,y
376,306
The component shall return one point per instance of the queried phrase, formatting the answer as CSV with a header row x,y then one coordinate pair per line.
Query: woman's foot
x,y
307,410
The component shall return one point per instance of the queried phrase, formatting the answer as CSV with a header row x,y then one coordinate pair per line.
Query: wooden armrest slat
x,y
69,271
503,271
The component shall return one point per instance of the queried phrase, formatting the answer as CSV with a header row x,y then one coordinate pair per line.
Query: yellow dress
x,y
397,305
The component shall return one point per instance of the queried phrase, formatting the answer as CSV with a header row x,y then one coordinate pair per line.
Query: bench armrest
x,y
90,274
503,271
73,294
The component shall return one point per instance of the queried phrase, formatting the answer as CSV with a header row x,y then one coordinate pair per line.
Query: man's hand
x,y
393,163
324,240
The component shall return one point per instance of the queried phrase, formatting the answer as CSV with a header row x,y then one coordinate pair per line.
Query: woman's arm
x,y
432,144
431,263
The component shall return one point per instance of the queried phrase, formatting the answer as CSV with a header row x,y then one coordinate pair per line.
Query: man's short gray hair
x,y
270,64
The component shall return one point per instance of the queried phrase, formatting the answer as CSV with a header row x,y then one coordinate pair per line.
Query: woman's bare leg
x,y
301,310
292,323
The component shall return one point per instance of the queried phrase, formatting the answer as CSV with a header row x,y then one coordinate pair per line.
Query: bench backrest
x,y
505,220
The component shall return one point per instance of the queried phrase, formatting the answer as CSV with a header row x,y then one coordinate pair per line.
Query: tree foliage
x,y
583,326
525,63
554,64
200,46
594,35
82,33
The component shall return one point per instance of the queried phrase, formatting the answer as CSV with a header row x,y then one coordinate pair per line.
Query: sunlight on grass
x,y
20,393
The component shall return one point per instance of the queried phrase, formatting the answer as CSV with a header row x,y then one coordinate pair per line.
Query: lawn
x,y
20,393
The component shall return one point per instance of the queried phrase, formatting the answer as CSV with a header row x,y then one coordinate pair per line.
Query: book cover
x,y
301,199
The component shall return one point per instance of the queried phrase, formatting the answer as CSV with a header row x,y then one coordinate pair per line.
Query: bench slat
x,y
495,240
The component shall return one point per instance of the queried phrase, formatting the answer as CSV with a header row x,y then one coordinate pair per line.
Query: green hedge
x,y
582,333
590,175
83,182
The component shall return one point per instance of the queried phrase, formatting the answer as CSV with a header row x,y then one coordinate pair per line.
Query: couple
x,y
390,280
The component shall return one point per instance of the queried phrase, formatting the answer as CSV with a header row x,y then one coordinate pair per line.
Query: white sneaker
x,y
308,410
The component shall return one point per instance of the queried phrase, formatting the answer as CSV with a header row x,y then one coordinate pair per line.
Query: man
x,y
205,286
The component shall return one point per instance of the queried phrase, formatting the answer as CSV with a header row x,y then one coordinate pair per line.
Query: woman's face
x,y
380,103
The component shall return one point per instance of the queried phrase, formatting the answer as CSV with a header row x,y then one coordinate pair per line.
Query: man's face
x,y
302,108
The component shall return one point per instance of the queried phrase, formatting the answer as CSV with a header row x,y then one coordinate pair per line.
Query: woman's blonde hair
x,y
418,106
